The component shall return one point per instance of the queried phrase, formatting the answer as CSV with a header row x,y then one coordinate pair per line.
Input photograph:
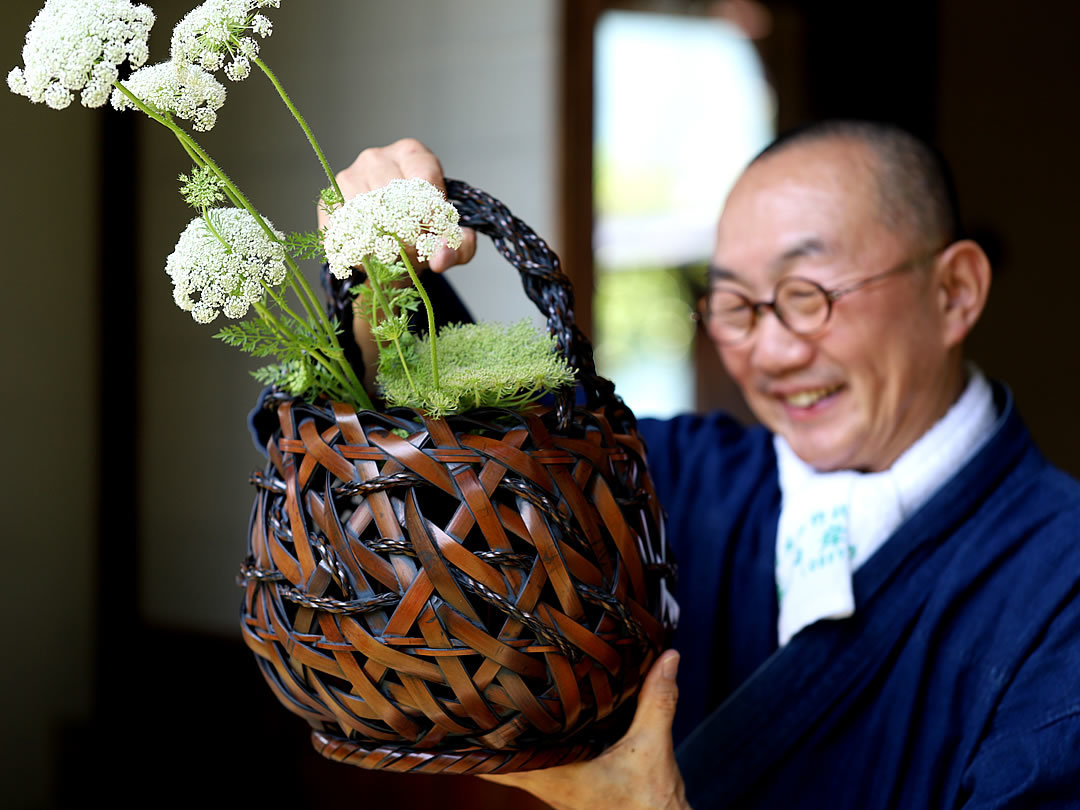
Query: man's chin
x,y
823,456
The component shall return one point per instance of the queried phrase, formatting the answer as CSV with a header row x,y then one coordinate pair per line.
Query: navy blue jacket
x,y
955,685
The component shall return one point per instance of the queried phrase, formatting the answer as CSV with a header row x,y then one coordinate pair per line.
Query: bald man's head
x,y
914,184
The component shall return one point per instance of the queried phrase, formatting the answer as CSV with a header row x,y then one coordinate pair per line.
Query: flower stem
x,y
430,314
196,151
380,299
360,395
199,163
352,382
213,230
303,124
305,294
344,373
282,304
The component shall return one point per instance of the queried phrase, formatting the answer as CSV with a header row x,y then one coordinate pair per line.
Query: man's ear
x,y
962,272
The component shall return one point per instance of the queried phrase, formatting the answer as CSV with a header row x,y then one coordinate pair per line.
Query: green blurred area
x,y
644,312
630,190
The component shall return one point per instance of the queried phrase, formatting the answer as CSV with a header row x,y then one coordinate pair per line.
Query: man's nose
x,y
776,348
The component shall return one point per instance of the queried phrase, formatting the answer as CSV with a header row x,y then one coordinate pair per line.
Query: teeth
x,y
804,399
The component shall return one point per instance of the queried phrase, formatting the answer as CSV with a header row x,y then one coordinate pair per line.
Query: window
x,y
681,104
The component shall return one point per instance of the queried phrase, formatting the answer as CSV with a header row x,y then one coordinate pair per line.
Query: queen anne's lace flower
x,y
203,189
77,45
262,26
186,92
226,278
412,211
238,69
216,29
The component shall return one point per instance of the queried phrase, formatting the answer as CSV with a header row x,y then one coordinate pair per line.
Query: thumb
x,y
658,698
445,257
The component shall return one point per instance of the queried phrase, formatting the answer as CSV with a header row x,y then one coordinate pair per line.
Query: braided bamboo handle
x,y
546,285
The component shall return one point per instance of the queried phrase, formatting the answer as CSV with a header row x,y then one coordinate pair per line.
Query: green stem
x,y
298,277
306,294
196,152
360,396
213,230
194,158
303,124
200,164
352,382
307,297
380,300
282,304
430,314
404,365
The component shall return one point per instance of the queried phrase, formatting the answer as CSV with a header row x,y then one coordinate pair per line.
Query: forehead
x,y
824,192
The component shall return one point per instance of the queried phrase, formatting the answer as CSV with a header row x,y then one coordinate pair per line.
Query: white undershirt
x,y
831,523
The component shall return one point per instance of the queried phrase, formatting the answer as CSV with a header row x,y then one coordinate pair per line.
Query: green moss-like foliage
x,y
480,364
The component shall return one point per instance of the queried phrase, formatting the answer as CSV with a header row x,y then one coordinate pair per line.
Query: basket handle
x,y
546,285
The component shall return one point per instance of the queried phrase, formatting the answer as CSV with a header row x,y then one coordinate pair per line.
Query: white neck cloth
x,y
831,523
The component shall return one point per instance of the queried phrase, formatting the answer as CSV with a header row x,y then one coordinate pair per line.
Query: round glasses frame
x,y
801,305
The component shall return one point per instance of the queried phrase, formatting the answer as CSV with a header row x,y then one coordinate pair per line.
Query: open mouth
x,y
809,397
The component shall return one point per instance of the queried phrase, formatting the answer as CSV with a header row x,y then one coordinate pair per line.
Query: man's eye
x,y
728,304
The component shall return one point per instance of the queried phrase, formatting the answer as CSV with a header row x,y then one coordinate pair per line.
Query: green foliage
x,y
305,246
482,364
301,377
390,303
254,337
203,189
298,345
385,274
330,198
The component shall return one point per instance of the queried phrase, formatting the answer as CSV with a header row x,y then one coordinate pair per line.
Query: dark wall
x,y
1008,120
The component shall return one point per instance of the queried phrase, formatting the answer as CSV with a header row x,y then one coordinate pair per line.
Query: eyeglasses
x,y
801,305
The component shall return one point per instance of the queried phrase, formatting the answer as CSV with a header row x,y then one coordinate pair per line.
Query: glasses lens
x,y
730,316
802,304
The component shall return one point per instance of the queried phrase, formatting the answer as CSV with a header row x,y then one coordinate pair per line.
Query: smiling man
x,y
879,584
811,225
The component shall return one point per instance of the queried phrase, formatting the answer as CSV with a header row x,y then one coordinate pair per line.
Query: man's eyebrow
x,y
811,246
718,273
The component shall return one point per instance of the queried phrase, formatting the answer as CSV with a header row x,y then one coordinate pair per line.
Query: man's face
x,y
860,391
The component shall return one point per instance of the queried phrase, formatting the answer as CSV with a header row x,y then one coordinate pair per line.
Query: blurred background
x,y
613,128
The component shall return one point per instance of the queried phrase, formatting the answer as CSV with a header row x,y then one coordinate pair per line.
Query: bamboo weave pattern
x,y
477,594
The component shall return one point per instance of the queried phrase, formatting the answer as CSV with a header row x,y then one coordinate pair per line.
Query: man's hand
x,y
377,166
639,771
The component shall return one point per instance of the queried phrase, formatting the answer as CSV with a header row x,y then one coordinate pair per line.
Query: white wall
x,y
475,80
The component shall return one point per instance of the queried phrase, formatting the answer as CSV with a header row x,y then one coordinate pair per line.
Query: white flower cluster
x,y
216,29
230,278
79,45
186,92
412,211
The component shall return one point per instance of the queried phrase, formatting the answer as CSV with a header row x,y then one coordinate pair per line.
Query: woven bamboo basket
x,y
477,594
